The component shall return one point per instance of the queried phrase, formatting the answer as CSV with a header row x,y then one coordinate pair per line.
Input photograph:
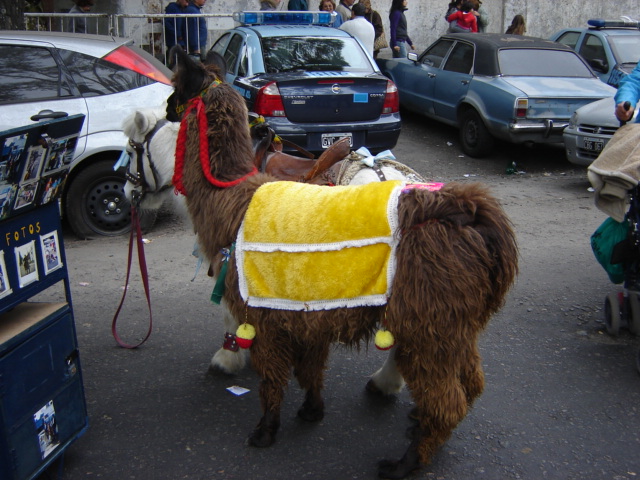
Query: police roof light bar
x,y
625,22
284,18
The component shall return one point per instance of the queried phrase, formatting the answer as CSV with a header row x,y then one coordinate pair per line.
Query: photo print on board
x,y
27,263
50,249
5,287
12,148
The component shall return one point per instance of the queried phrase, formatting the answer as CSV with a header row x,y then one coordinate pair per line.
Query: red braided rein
x,y
181,149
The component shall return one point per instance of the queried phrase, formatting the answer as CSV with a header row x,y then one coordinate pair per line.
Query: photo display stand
x,y
42,404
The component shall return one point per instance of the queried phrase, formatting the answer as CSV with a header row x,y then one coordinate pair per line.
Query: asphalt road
x,y
561,399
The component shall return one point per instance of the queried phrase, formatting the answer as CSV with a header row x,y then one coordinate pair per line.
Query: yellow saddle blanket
x,y
310,247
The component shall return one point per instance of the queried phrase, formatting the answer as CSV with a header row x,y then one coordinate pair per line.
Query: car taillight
x,y
128,58
269,102
522,105
391,99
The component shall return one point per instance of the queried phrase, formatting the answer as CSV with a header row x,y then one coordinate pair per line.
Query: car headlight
x,y
573,121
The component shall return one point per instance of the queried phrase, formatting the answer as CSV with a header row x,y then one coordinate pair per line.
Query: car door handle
x,y
431,75
44,114
464,82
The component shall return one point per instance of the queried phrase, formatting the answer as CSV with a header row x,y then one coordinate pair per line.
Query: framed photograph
x,y
55,156
47,429
35,158
51,187
27,263
12,149
7,194
26,195
50,249
5,288
70,149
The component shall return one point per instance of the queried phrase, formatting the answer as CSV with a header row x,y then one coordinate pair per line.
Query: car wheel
x,y
95,203
475,138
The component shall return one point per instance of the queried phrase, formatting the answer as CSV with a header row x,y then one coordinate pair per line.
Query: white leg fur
x,y
388,380
226,360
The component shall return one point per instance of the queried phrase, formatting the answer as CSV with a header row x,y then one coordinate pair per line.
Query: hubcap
x,y
107,207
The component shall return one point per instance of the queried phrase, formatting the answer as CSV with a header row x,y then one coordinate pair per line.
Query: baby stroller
x,y
615,176
622,309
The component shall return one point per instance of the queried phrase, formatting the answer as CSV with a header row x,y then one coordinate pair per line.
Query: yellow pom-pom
x,y
246,331
384,340
244,335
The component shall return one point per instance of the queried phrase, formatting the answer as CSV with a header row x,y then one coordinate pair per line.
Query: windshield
x,y
285,54
626,48
541,63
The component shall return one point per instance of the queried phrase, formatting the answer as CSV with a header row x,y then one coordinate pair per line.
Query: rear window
x,y
542,63
285,54
97,76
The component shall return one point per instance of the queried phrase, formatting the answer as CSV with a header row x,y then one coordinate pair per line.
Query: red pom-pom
x,y
244,342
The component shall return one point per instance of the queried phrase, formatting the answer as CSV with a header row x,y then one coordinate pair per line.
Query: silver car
x,y
50,75
589,130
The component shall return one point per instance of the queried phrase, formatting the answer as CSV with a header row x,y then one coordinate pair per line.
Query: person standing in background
x,y
174,28
79,25
517,27
360,27
269,4
344,9
398,29
330,6
374,18
298,5
482,16
196,30
465,18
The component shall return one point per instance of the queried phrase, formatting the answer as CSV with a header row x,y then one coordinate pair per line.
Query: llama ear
x,y
141,121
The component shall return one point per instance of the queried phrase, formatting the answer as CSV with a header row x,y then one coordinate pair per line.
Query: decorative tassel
x,y
245,335
384,340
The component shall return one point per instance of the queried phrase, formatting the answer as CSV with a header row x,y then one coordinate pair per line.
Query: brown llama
x,y
456,258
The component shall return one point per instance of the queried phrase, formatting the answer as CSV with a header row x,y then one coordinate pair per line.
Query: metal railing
x,y
147,30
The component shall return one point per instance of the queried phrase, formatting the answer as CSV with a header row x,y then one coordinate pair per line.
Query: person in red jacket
x,y
465,18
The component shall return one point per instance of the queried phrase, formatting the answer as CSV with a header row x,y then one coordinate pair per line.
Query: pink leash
x,y
135,230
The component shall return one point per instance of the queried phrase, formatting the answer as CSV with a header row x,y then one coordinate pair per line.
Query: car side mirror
x,y
599,65
412,56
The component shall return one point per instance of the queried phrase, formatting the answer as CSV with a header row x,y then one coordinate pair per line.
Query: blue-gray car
x,y
492,86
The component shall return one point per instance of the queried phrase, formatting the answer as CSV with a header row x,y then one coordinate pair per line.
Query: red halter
x,y
201,116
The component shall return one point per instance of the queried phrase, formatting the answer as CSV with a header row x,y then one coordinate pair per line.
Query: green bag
x,y
603,242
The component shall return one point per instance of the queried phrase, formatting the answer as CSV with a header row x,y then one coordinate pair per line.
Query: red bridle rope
x,y
201,117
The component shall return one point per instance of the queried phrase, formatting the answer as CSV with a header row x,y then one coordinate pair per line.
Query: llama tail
x,y
458,246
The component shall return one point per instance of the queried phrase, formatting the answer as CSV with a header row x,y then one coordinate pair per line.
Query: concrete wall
x,y
425,17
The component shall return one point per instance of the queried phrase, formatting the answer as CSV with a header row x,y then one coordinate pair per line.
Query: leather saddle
x,y
270,158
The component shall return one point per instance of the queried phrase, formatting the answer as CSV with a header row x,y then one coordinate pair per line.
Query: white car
x,y
48,75
589,130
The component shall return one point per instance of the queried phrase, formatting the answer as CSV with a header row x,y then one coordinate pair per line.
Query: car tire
x,y
95,203
475,138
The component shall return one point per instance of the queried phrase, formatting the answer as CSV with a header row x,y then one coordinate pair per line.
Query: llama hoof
x,y
261,439
309,414
372,388
395,469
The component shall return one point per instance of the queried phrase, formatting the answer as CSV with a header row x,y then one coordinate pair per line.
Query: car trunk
x,y
562,96
325,98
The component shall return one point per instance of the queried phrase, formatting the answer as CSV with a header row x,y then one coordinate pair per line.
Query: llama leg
x,y
387,380
272,361
309,365
226,360
472,376
441,403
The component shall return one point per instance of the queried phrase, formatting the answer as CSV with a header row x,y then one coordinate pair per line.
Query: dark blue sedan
x,y
492,86
313,83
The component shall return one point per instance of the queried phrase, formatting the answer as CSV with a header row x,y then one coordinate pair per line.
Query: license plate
x,y
329,139
593,144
